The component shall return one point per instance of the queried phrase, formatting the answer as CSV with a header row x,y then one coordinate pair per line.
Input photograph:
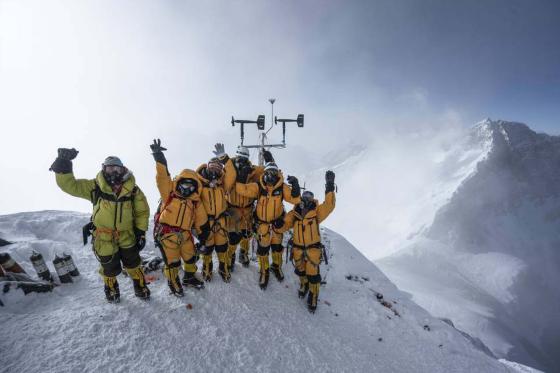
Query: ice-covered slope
x,y
490,261
231,327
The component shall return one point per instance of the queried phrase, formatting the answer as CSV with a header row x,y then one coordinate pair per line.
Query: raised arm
x,y
163,179
62,167
325,208
230,174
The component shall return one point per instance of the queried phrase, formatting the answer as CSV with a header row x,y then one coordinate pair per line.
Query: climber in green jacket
x,y
119,220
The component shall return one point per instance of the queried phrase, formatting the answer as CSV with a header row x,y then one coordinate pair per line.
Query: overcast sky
x,y
106,77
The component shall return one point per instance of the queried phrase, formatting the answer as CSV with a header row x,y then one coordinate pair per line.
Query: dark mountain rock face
x,y
511,205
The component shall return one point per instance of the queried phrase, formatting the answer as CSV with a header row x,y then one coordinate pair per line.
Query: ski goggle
x,y
214,174
186,187
114,169
240,161
307,196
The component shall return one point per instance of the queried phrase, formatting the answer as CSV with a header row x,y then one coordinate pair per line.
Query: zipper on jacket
x,y
302,229
120,218
183,215
212,204
116,213
179,213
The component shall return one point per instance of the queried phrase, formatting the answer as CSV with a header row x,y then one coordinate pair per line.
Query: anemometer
x,y
260,122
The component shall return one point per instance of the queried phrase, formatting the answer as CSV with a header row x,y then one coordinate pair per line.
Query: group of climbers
x,y
223,204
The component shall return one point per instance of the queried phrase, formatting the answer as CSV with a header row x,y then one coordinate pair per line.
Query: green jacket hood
x,y
128,185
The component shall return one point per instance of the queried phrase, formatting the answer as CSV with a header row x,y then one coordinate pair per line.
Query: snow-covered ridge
x,y
230,327
491,254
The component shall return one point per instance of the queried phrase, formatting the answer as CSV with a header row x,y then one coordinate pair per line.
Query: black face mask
x,y
212,175
186,187
116,177
307,201
271,178
241,162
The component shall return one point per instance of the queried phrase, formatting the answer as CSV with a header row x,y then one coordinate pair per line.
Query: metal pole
x,y
272,115
261,158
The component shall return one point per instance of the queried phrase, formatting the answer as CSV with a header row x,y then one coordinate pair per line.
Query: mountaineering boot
x,y
190,280
112,292
243,259
313,297
244,253
263,279
207,268
277,272
139,283
263,270
223,268
303,286
172,275
277,266
230,257
232,262
224,272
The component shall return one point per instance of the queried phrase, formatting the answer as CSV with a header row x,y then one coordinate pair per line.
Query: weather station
x,y
263,135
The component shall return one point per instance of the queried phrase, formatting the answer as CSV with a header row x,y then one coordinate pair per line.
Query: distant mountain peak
x,y
509,135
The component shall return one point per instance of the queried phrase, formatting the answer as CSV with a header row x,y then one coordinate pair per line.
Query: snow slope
x,y
231,327
490,259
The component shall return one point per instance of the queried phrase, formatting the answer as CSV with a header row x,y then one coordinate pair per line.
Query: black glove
x,y
329,178
67,154
204,233
267,156
63,163
157,152
294,183
87,231
140,239
278,223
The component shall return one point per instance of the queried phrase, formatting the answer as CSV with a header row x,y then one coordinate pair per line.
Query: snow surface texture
x,y
231,327
490,261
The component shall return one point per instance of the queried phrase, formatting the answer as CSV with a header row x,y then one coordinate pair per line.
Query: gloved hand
x,y
329,178
140,239
156,146
219,151
157,152
68,154
278,223
63,163
294,183
267,156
